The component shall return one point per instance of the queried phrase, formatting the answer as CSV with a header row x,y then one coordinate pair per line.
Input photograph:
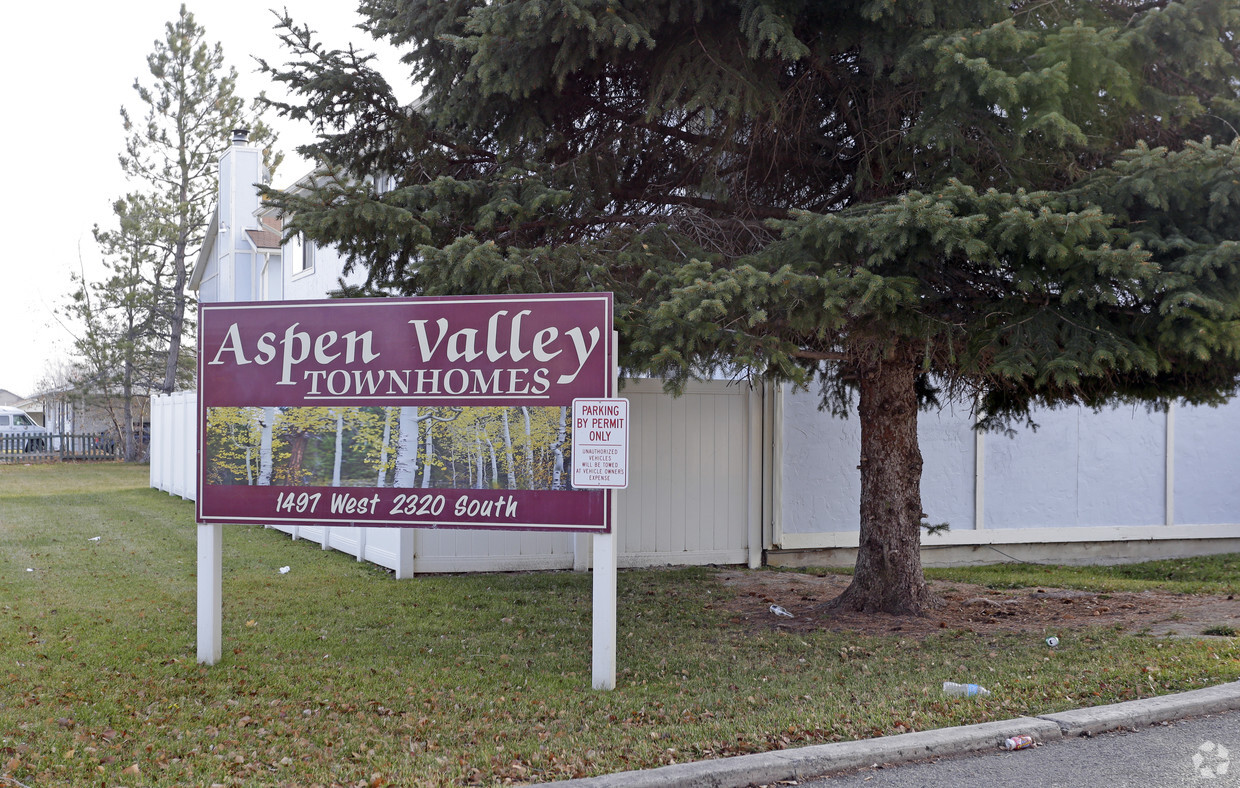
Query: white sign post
x,y
601,460
210,593
603,635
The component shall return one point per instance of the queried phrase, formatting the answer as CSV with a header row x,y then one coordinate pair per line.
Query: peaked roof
x,y
270,236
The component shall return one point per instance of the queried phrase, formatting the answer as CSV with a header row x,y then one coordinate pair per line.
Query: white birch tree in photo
x,y
429,455
383,451
478,480
561,437
494,461
264,447
408,444
529,449
339,452
508,458
406,473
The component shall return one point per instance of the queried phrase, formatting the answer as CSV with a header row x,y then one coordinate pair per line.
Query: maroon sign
x,y
427,412
538,350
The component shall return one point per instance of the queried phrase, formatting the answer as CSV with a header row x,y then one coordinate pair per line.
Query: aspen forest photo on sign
x,y
478,448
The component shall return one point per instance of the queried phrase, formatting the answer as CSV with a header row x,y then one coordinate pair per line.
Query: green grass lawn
x,y
337,674
1217,574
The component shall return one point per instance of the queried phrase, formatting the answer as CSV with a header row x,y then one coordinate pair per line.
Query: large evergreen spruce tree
x,y
1017,203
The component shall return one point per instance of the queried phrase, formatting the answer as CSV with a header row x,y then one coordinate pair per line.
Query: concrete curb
x,y
1081,722
807,762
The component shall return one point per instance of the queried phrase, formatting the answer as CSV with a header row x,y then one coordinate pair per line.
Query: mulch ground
x,y
1036,611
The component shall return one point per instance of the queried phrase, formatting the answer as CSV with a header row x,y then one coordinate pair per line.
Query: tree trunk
x,y
264,447
494,465
430,454
180,267
297,455
127,436
561,437
508,458
338,457
176,321
406,473
888,576
478,446
383,451
529,449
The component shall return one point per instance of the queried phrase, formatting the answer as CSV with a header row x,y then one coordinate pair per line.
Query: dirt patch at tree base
x,y
1035,611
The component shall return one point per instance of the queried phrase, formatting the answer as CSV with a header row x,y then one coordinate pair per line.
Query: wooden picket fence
x,y
57,447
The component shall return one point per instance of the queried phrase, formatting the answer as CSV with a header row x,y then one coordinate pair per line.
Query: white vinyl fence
x,y
695,492
1122,476
174,443
724,471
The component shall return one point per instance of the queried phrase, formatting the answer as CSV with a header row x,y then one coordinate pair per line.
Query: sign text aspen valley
x,y
430,412
445,353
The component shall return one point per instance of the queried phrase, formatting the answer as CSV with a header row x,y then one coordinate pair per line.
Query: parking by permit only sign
x,y
601,443
447,412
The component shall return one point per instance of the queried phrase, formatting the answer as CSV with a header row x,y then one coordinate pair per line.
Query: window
x,y
4,421
307,254
23,421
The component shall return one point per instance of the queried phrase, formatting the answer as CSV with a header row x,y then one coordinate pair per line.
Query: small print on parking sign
x,y
601,444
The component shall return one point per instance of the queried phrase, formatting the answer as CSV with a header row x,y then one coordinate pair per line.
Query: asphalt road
x,y
1201,752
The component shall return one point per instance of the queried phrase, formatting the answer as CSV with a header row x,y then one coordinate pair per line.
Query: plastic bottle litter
x,y
1052,641
1018,743
779,611
965,690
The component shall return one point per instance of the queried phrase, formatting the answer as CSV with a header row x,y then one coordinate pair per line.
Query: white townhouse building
x,y
728,474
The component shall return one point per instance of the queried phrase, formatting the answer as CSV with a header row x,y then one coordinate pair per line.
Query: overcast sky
x,y
66,70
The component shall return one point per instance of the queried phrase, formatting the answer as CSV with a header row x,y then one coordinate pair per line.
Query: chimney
x,y
240,136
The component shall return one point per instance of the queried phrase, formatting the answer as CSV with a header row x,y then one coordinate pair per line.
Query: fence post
x,y
157,412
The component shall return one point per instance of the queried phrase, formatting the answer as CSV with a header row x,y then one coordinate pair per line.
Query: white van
x,y
14,423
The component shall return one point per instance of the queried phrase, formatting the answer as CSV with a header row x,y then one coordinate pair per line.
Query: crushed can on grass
x,y
1018,743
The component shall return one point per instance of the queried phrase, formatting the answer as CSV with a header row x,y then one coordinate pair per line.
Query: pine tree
x,y
189,106
118,331
1017,204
